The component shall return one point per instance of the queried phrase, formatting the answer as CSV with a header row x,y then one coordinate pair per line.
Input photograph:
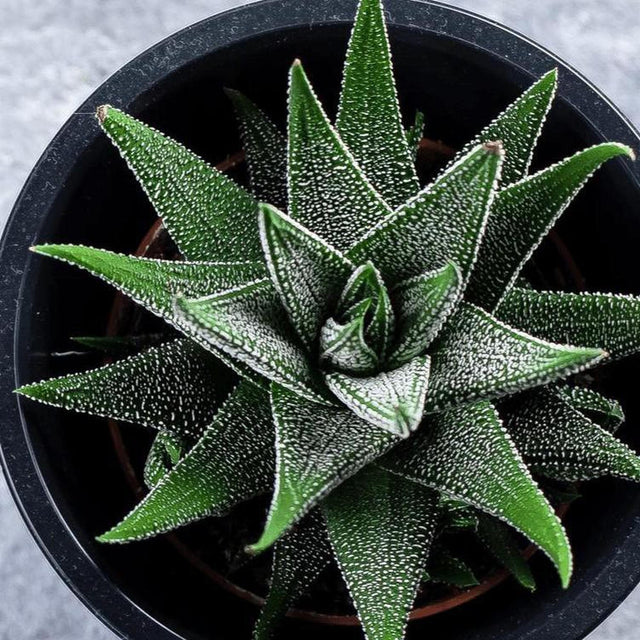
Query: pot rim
x,y
130,89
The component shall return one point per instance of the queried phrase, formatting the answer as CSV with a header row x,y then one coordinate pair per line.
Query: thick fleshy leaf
x,y
466,453
602,410
367,283
392,400
176,387
444,222
522,215
317,447
561,443
154,284
478,357
208,215
611,322
415,134
381,527
232,462
500,541
445,568
166,450
519,126
298,559
250,324
369,119
120,346
424,303
265,150
328,193
307,272
343,347
457,515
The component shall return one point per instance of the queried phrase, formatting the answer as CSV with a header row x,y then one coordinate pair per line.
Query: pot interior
x,y
460,88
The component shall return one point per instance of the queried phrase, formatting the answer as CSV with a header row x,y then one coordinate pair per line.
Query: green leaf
x,y
317,447
165,453
446,568
298,559
174,387
367,283
265,151
154,284
612,322
119,346
381,527
602,410
466,453
392,400
343,347
208,215
328,193
424,303
232,462
523,214
250,324
307,272
444,222
500,542
457,515
519,126
478,357
561,443
369,119
415,134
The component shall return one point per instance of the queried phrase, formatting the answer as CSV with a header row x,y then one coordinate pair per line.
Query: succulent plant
x,y
393,376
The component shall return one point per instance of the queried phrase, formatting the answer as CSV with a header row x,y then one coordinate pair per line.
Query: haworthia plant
x,y
397,380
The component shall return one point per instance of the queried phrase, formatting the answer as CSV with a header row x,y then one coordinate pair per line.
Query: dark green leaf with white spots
x,y
467,454
208,215
415,134
369,119
602,410
166,450
611,322
265,150
381,527
174,387
232,462
445,568
317,447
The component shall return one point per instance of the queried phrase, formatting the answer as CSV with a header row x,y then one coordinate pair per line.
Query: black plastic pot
x,y
62,469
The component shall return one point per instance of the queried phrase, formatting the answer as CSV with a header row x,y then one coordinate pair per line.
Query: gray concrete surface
x,y
54,52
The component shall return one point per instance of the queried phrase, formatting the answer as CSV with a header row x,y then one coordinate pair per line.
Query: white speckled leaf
x,y
500,541
477,357
208,215
518,127
265,151
445,568
561,443
174,387
611,322
307,272
466,453
392,400
602,410
154,284
317,448
381,527
166,450
369,119
232,462
298,559
328,193
424,303
522,215
119,346
445,221
343,347
250,324
415,134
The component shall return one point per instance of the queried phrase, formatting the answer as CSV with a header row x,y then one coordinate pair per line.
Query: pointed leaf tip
x,y
102,111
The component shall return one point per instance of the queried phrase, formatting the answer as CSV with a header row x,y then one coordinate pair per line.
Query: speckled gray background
x,y
54,52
